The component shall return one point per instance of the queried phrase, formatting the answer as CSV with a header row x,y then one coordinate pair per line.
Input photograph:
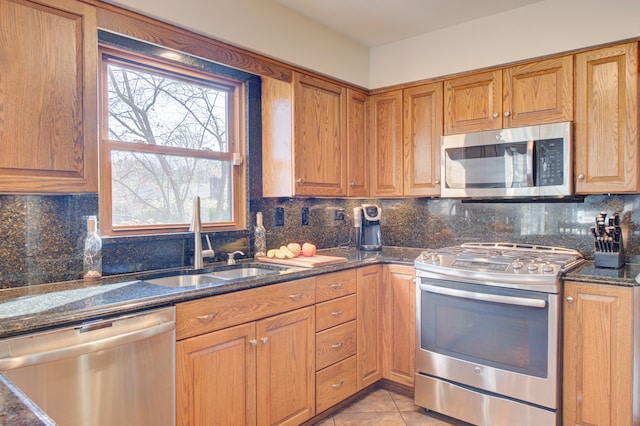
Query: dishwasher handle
x,y
12,362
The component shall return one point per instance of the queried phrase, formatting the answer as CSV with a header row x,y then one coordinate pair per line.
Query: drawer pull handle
x,y
295,296
207,317
337,345
336,285
337,313
253,342
337,385
265,340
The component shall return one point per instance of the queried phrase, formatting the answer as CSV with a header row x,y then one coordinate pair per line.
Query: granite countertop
x,y
589,273
28,309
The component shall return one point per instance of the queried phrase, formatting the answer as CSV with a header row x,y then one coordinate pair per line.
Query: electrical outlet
x,y
279,216
338,214
305,216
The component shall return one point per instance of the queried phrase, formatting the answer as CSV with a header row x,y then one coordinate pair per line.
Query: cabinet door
x,y
369,319
357,144
386,144
320,148
216,378
422,132
473,103
48,97
538,92
598,360
286,370
606,122
399,324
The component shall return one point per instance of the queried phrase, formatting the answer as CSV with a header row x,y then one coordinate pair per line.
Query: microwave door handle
x,y
509,168
485,297
530,150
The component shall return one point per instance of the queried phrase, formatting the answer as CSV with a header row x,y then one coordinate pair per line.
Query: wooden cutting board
x,y
303,261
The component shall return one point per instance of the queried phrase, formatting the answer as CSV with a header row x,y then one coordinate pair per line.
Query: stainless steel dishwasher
x,y
116,371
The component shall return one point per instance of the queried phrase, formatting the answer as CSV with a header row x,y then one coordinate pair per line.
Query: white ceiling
x,y
378,22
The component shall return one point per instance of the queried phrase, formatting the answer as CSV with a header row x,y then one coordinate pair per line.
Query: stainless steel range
x,y
488,318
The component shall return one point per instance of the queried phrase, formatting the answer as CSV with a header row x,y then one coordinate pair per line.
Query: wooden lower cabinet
x,y
259,373
369,323
399,324
598,355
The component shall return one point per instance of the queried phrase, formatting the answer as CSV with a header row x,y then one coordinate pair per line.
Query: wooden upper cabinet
x,y
473,103
606,122
386,144
533,93
538,92
304,138
357,144
422,131
48,97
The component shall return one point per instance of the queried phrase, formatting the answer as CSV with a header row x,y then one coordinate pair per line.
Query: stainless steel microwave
x,y
533,161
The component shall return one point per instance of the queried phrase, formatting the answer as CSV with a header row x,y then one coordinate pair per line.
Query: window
x,y
169,133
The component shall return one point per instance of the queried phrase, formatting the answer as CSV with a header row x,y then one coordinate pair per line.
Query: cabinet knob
x,y
569,299
295,296
507,113
337,345
300,181
337,385
337,313
436,182
265,340
496,115
352,184
336,285
581,177
253,342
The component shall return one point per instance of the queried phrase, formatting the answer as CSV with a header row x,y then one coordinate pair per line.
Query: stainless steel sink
x,y
215,276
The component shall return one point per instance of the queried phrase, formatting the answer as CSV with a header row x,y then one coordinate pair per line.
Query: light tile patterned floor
x,y
387,408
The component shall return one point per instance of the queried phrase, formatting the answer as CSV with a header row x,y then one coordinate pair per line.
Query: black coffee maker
x,y
367,225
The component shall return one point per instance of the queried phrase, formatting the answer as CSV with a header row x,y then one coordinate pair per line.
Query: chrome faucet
x,y
196,228
232,260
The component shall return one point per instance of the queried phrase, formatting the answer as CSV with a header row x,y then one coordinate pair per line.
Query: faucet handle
x,y
232,260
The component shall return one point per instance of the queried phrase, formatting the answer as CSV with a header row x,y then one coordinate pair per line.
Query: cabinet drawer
x,y
336,284
217,312
335,383
335,312
335,344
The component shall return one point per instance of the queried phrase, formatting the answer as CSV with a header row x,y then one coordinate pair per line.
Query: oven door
x,y
490,338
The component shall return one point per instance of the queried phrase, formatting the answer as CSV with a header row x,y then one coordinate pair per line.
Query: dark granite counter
x,y
28,309
589,273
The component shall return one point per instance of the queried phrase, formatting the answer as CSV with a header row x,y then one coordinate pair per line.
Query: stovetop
x,y
500,263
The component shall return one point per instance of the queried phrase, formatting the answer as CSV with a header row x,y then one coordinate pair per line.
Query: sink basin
x,y
215,276
243,272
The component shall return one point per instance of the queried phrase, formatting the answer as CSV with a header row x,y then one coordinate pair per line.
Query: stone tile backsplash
x,y
41,237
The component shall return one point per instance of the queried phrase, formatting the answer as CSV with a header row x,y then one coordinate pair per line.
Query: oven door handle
x,y
486,297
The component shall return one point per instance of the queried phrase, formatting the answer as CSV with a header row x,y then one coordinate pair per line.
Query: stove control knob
x,y
548,267
532,266
516,264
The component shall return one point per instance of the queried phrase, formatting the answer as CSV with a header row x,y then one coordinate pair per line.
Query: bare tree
x,y
164,111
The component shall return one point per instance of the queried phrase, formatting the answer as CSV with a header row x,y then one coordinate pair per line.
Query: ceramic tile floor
x,y
387,408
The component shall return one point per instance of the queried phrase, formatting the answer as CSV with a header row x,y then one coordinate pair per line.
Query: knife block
x,y
614,260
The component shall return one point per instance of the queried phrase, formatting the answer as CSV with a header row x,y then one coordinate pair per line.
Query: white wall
x,y
265,27
539,29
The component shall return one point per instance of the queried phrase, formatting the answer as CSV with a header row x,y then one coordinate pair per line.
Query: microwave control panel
x,y
549,162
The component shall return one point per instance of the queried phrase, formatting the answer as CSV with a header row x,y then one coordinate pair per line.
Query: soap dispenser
x,y
92,256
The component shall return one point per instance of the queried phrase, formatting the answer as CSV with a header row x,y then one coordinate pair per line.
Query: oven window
x,y
509,337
